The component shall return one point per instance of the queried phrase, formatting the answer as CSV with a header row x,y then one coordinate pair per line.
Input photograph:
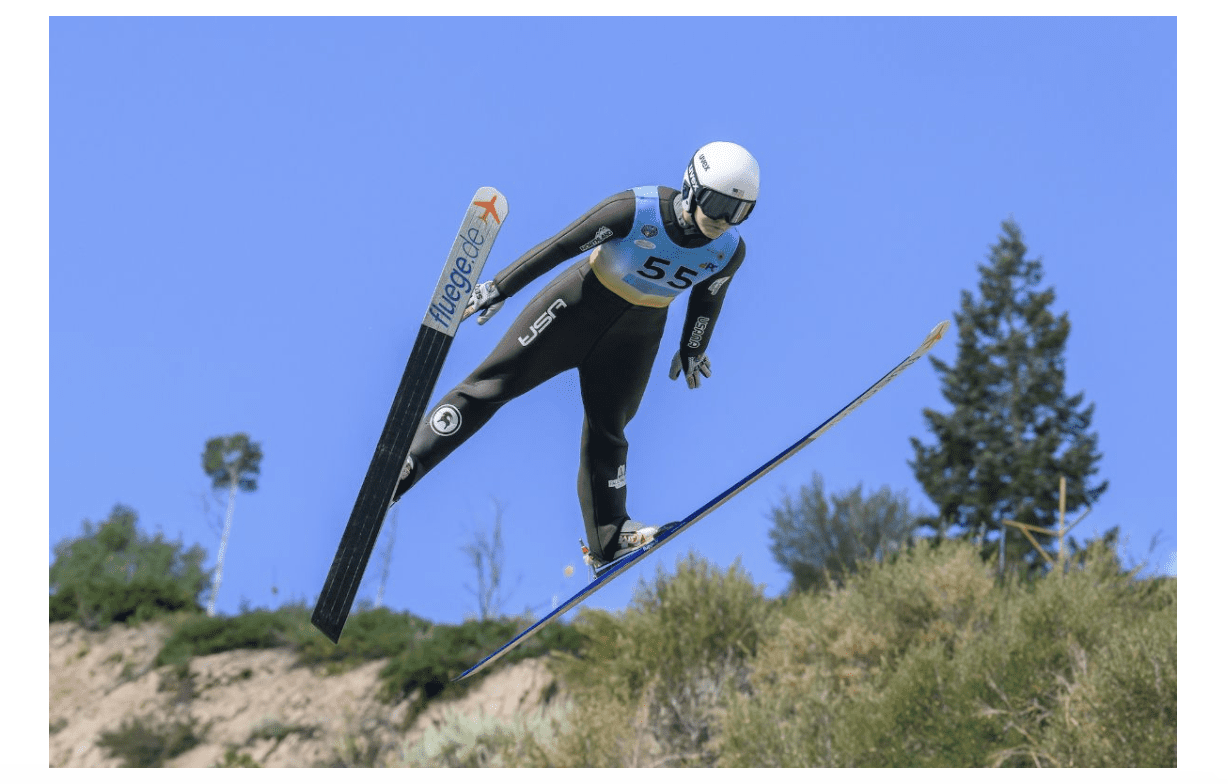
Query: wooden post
x,y
1002,551
1024,528
1061,521
1062,530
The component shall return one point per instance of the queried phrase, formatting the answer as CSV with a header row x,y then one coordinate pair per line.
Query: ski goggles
x,y
719,206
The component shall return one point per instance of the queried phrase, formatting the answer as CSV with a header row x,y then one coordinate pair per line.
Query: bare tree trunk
x,y
386,558
221,550
486,553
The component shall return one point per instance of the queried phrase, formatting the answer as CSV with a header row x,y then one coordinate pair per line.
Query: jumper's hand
x,y
485,298
695,366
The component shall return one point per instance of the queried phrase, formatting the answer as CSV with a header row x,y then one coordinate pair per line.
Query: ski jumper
x,y
604,316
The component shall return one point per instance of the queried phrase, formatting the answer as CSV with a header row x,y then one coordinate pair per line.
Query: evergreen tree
x,y
1013,430
233,463
822,542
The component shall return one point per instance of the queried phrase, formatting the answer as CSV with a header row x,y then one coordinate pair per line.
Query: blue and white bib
x,y
647,268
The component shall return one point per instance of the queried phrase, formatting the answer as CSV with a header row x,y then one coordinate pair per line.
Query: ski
x,y
605,574
461,272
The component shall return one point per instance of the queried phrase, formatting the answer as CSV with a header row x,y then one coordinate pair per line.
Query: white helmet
x,y
723,178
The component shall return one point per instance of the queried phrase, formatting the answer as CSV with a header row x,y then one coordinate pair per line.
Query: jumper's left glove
x,y
694,366
486,298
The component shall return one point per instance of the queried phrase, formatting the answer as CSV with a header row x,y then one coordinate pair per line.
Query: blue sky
x,y
247,217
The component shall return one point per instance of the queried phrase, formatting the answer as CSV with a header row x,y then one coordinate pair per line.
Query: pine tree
x,y
1013,431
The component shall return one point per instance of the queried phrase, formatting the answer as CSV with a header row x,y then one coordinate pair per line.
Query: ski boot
x,y
631,537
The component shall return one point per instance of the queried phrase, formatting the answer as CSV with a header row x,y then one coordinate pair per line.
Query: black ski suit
x,y
607,331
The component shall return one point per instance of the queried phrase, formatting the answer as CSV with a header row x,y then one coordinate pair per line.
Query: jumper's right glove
x,y
486,298
694,366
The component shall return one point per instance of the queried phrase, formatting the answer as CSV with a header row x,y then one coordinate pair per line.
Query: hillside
x,y
923,659
246,705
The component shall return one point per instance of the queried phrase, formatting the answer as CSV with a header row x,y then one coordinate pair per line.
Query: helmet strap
x,y
686,214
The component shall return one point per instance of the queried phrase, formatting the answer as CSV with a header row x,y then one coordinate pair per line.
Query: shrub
x,y
426,667
922,662
203,635
236,759
649,684
116,574
139,743
369,635
1119,706
1084,669
422,657
822,669
486,741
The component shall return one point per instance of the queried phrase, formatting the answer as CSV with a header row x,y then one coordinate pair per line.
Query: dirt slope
x,y
252,702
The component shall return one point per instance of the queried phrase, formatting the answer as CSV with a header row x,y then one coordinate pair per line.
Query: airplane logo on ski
x,y
934,337
489,207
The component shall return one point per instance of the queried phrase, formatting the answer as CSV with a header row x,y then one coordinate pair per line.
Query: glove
x,y
486,298
695,366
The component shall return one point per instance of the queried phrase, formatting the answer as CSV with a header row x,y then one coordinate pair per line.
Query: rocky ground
x,y
254,705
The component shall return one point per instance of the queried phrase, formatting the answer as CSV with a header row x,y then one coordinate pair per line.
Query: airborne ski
x,y
605,574
461,271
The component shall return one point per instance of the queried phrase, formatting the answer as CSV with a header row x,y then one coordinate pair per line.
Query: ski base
x,y
375,496
470,249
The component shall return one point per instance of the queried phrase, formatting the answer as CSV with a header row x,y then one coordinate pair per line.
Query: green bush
x,y
277,730
1119,707
116,574
236,759
422,657
426,667
486,741
369,635
925,662
822,668
1083,671
649,683
202,636
139,743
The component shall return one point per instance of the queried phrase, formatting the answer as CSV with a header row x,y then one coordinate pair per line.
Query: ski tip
x,y
935,335
492,202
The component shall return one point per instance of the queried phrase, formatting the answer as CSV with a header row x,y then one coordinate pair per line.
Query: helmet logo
x,y
726,169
